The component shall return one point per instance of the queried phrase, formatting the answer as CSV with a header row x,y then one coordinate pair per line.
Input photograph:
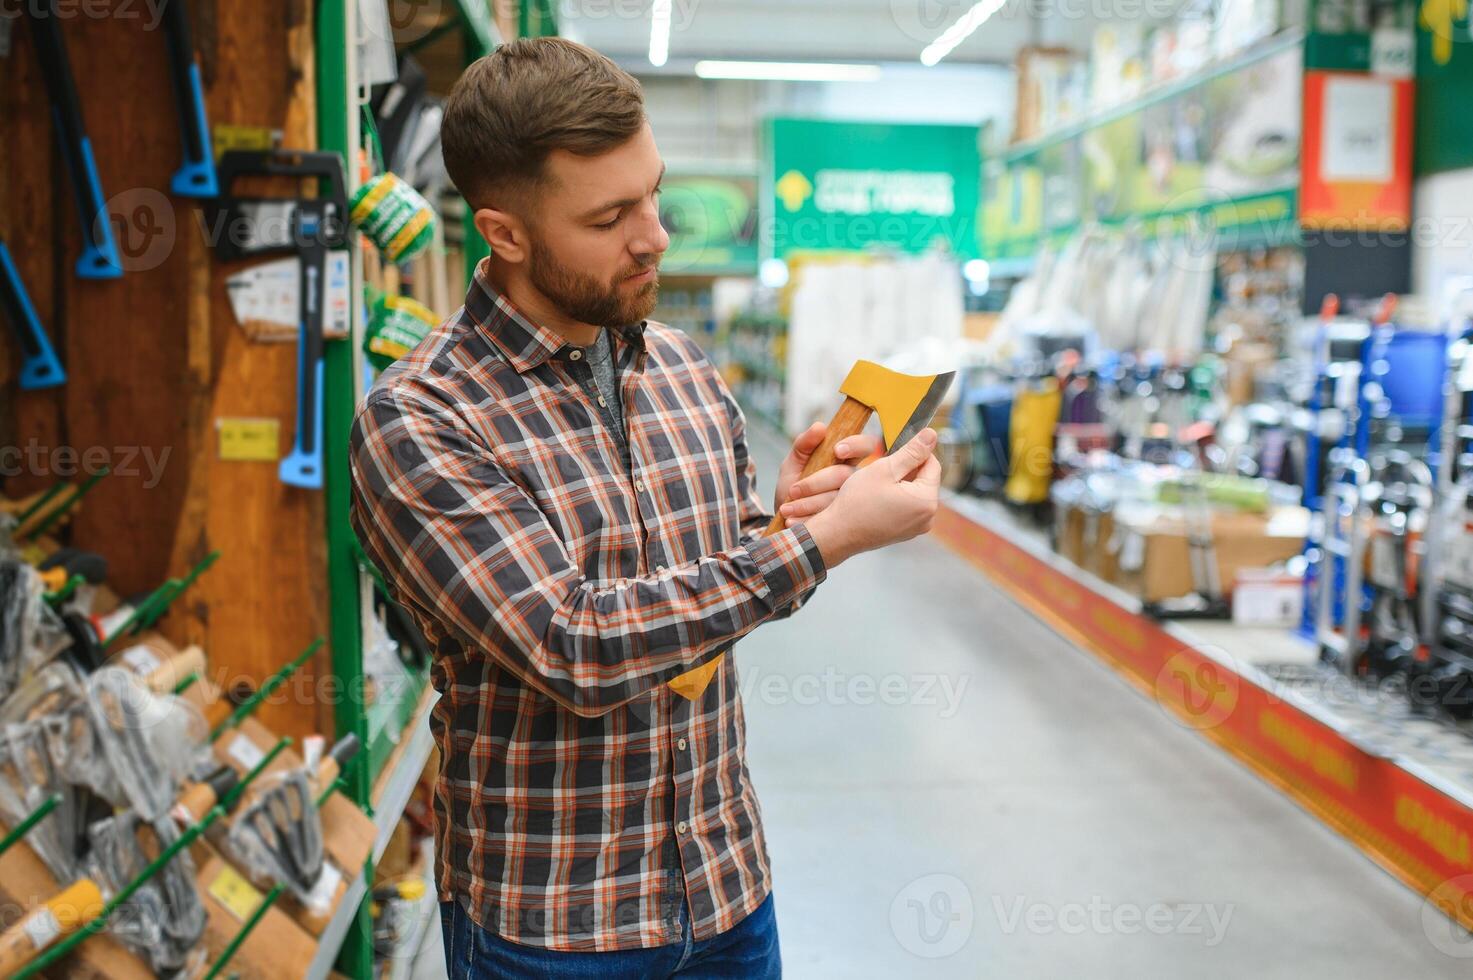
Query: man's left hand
x,y
797,499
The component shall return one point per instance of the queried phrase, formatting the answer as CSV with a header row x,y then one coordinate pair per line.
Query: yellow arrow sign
x,y
1437,16
794,189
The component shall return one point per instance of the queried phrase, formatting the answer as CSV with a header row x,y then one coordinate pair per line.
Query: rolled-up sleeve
x,y
453,532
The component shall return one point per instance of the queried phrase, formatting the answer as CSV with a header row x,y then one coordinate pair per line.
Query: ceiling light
x,y
788,71
660,33
960,31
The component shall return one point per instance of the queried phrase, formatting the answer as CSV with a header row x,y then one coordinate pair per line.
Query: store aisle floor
x,y
952,790
912,721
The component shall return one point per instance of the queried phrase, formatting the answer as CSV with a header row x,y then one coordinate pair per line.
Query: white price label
x,y
41,928
141,660
244,751
320,898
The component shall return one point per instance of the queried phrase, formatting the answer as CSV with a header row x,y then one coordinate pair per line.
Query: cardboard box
x,y
1245,363
1069,524
1267,597
1155,557
1102,553
1087,538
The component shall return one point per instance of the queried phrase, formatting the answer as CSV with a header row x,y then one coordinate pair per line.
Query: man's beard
x,y
583,298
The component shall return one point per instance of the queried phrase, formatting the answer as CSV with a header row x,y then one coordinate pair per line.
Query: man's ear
x,y
504,232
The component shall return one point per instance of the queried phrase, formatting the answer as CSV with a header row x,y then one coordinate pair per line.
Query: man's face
x,y
595,234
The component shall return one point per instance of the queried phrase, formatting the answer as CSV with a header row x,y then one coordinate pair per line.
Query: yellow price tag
x,y
250,440
239,896
232,137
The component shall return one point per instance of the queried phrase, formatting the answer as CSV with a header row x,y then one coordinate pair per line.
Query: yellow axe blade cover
x,y
893,396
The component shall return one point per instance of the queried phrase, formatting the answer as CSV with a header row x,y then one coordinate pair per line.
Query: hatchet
x,y
905,403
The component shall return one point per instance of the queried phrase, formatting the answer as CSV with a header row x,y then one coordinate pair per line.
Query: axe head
x,y
905,403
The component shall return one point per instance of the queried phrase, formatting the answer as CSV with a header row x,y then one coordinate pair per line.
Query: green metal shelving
x,y
348,938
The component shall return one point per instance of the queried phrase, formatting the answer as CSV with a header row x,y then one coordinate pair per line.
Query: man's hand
x,y
800,499
894,500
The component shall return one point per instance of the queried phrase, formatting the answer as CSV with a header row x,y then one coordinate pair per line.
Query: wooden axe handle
x,y
849,420
70,909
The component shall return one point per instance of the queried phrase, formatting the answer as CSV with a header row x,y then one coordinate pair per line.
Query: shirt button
x,y
682,827
576,355
639,486
680,744
601,402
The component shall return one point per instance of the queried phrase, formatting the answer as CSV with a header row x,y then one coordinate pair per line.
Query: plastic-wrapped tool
x,y
27,778
164,919
19,587
47,689
78,754
278,835
149,739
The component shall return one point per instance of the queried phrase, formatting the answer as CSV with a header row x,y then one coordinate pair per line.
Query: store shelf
x,y
760,371
1397,786
391,795
402,964
401,774
332,937
1266,48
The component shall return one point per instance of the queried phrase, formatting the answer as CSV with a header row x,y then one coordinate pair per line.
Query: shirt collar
x,y
525,344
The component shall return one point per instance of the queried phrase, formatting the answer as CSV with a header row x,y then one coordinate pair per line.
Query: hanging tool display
x,y
99,258
40,367
196,175
905,403
311,228
1444,681
278,835
1398,502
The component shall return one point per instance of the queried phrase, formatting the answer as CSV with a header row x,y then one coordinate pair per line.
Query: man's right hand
x,y
893,499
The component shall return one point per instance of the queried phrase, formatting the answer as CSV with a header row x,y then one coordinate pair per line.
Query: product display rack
x,y
755,344
396,730
1272,217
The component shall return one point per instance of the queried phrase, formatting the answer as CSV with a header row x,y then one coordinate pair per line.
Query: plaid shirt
x,y
580,800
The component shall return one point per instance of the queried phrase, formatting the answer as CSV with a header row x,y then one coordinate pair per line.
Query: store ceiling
x,y
790,30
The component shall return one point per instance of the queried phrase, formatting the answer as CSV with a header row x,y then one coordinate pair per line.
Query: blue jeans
x,y
749,951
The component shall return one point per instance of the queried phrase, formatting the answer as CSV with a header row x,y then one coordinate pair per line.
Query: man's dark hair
x,y
513,107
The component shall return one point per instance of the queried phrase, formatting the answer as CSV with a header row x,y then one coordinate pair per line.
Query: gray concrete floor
x,y
1050,822
952,790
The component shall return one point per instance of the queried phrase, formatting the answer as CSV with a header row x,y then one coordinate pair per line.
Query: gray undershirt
x,y
600,356
605,375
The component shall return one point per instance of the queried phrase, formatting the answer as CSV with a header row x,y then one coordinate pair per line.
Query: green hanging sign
x,y
712,221
842,187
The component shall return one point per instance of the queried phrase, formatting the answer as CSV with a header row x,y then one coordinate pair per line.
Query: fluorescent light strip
x,y
960,31
788,71
660,33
